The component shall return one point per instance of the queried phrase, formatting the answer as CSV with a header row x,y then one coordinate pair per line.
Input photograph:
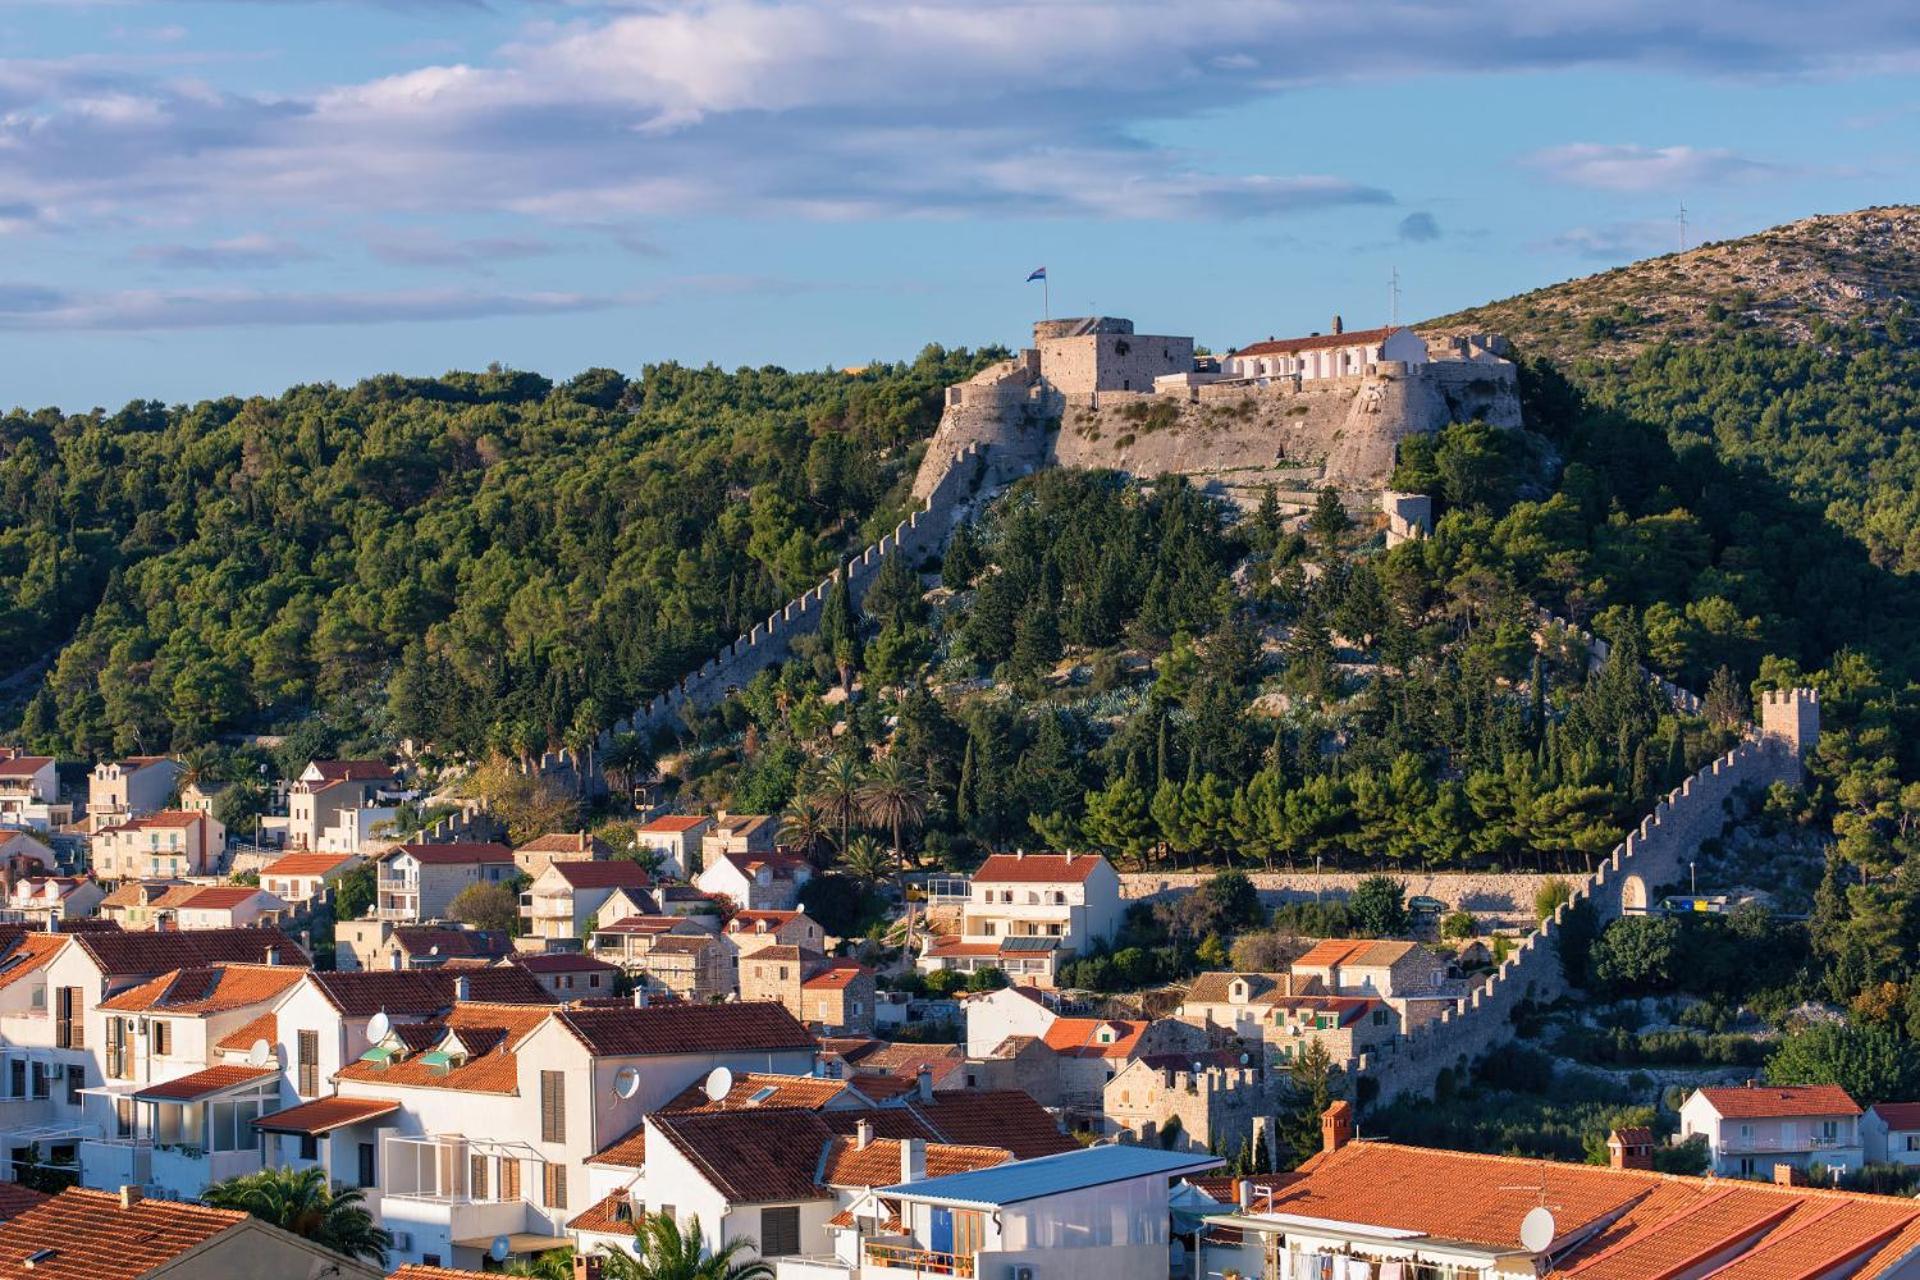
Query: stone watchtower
x,y
1791,718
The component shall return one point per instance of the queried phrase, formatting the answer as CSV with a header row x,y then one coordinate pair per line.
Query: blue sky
x,y
232,196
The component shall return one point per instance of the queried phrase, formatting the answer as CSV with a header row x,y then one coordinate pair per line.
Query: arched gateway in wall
x,y
1633,896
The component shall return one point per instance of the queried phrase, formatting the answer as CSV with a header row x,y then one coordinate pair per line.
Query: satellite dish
x,y
258,1055
500,1248
1538,1229
378,1026
719,1084
626,1082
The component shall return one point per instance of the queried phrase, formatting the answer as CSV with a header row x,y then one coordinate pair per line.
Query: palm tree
x,y
551,1264
624,761
865,860
894,796
802,827
299,1200
834,789
663,1252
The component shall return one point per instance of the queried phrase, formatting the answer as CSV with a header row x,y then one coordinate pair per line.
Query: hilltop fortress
x,y
1295,413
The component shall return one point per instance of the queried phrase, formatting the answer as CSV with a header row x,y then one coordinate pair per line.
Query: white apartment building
x,y
1753,1127
418,882
159,846
30,792
330,805
1026,912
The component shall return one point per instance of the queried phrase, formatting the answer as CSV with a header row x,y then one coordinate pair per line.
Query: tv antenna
x,y
1682,219
1393,299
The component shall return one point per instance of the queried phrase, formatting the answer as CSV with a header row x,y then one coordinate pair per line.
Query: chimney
x,y
913,1159
639,997
129,1197
1787,1175
273,955
1339,326
1630,1148
395,961
1244,1188
923,1081
1336,1126
862,1135
462,988
586,1266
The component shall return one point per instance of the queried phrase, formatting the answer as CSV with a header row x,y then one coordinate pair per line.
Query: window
x,y
779,1231
1913,1142
162,1037
308,1054
76,1076
509,1178
1379,1017
70,1029
117,1067
309,1147
553,1186
477,1177
553,1106
366,1170
40,1086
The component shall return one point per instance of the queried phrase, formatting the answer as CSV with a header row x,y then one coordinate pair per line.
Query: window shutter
x,y
553,1106
309,1055
779,1231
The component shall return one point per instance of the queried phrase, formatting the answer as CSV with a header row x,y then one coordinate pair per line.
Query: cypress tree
x,y
965,803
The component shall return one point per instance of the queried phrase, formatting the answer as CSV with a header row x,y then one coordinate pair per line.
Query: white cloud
x,y
1614,241
1626,167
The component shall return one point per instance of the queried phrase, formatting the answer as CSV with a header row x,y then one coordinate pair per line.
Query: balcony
x,y
812,1266
1734,1145
914,1260
178,1170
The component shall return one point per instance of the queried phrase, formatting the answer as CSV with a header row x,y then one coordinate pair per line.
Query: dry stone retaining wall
x,y
1504,899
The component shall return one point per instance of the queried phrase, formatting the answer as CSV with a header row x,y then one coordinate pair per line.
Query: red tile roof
x,y
616,873
751,1157
164,819
418,1271
743,920
662,1030
353,770
612,1214
1037,868
92,1238
1360,953
204,991
206,1083
1899,1116
1315,342
991,1118
1081,1037
805,1093
879,1164
1763,1102
265,1027
307,864
674,823
22,766
450,941
447,855
323,1115
16,1199
560,962
421,992
566,842
222,897
837,976
30,955
137,954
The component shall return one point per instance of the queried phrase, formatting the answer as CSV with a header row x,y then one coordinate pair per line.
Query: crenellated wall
x,y
1653,855
1552,627
960,478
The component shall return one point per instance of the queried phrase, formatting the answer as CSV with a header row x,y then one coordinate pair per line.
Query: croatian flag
x,y
1039,273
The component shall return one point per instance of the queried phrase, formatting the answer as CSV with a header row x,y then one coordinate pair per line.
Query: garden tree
x,y
663,1251
1637,955
1872,1063
1310,1091
626,761
530,804
1118,822
840,628
1550,897
1724,702
354,891
486,906
301,1201
867,860
1379,908
841,904
832,784
805,829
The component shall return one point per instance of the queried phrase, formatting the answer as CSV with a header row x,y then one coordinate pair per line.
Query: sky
x,y
228,197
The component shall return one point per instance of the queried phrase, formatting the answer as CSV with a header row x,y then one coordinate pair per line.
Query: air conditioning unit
x,y
1020,1271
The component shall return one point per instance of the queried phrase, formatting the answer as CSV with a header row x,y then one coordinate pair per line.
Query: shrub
x,y
1550,897
1459,924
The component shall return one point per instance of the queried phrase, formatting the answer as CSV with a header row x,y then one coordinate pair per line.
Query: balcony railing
x,y
925,1262
1737,1146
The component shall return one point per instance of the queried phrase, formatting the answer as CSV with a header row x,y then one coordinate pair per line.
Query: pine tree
x,y
1329,520
1162,761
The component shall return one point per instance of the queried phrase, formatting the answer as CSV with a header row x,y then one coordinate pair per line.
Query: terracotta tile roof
x,y
425,939
611,1214
761,921
781,865
837,976
165,819
662,1030
421,992
1359,953
204,991
1315,342
1003,1118
878,1164
567,842
307,864
138,893
496,1073
1081,1037
629,1151
323,1115
907,1059
1763,1102
674,823
16,1199
1037,868
93,1238
31,954
22,766
223,897
448,855
352,770
265,1027
206,1083
683,944
616,873
805,1093
135,954
419,1271
642,924
1898,1115
751,1157
1262,988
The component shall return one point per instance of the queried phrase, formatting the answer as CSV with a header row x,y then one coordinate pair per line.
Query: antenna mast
x,y
1393,299
1683,226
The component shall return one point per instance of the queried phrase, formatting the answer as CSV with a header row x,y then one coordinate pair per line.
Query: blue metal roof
x,y
1052,1175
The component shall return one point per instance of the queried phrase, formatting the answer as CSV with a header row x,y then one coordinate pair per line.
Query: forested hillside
x,y
531,558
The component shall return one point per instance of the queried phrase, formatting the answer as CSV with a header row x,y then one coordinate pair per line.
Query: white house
x,y
1326,355
1026,912
228,906
1890,1133
29,788
323,800
1753,1127
36,899
676,837
756,881
568,899
418,882
302,878
157,846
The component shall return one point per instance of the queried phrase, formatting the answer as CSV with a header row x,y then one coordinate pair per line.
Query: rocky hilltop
x,y
1798,280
